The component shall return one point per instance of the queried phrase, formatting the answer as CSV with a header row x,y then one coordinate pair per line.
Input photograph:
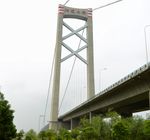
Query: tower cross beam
x,y
74,53
75,32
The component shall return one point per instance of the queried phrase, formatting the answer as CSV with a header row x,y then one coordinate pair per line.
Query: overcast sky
x,y
27,40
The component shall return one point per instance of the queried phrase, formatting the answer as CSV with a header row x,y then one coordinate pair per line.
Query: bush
x,y
146,129
120,131
113,127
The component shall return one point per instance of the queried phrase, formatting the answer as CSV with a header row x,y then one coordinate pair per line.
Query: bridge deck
x,y
130,94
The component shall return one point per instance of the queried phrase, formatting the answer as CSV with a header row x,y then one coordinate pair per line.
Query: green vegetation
x,y
31,135
20,135
7,128
110,127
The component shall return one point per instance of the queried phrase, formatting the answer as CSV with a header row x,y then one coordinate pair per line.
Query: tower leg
x,y
56,78
90,61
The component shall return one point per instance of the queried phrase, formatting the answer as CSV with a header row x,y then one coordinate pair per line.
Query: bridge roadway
x,y
129,95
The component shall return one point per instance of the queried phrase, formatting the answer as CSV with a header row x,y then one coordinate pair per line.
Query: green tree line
x,y
112,127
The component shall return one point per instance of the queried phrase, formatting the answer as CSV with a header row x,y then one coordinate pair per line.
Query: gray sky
x,y
27,40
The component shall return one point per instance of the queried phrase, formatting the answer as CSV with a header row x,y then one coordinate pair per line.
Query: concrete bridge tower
x,y
81,14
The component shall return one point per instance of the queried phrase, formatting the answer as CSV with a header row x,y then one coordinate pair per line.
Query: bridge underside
x,y
134,104
124,108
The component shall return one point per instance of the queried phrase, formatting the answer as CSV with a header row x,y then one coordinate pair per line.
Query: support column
x,y
71,124
90,61
149,99
56,78
90,116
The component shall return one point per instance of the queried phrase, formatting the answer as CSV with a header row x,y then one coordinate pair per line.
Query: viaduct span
x,y
129,95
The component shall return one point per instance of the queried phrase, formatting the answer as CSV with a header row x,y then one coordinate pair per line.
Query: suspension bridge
x,y
74,46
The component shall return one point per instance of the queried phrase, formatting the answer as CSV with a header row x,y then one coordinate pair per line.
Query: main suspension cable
x,y
66,2
107,5
49,87
97,8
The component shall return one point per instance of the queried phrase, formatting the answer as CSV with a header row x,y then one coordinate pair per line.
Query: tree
x,y
87,133
75,133
47,135
7,128
102,128
42,135
146,129
20,135
31,135
90,130
135,128
120,131
64,134
50,134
